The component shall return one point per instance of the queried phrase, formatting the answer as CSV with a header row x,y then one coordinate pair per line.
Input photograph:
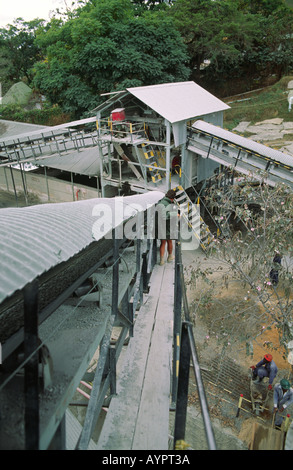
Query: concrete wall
x,y
47,189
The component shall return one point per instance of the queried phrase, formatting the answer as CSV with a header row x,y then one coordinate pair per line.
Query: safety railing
x,y
34,146
185,352
120,130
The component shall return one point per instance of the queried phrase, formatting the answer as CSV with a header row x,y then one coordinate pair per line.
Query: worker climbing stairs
x,y
193,218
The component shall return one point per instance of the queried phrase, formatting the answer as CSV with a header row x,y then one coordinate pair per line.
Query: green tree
x,y
106,48
232,40
18,51
216,32
264,7
143,5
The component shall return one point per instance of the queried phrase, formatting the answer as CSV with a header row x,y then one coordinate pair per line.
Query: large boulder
x,y
19,94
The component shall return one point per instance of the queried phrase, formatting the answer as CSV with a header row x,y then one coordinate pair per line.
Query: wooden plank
x,y
122,416
152,426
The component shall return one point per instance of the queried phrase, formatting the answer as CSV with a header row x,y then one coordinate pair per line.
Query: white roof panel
x,y
179,101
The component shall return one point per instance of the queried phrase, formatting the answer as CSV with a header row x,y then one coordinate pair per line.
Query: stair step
x,y
196,223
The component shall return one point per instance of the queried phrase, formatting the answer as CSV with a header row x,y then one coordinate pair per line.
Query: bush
x,y
47,116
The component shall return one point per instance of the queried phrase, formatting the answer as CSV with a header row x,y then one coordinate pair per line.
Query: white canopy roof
x,y
179,101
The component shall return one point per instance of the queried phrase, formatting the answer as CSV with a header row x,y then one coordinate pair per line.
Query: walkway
x,y
138,416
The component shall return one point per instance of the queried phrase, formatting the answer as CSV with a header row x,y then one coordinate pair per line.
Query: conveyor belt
x,y
241,154
70,329
41,242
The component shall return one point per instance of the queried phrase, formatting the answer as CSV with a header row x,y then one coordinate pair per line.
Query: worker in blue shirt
x,y
283,397
265,368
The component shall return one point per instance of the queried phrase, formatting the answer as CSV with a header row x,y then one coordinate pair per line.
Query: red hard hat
x,y
268,357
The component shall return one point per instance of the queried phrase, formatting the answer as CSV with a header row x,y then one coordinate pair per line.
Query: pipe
x,y
86,395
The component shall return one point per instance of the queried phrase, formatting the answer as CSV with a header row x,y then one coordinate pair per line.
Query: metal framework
x,y
125,298
147,157
240,154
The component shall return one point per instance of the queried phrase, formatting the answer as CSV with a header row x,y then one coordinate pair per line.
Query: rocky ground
x,y
275,132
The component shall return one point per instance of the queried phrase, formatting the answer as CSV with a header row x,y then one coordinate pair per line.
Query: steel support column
x,y
96,398
177,321
31,370
182,391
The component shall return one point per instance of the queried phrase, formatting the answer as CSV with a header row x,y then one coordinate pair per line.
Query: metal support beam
x,y
177,322
182,392
144,267
93,409
115,276
112,370
168,153
187,351
31,370
59,439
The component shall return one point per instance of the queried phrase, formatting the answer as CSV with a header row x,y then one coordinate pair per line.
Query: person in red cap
x,y
266,367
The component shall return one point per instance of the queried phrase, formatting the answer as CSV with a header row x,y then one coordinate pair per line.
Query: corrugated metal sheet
x,y
35,239
244,142
84,162
178,101
25,133
13,128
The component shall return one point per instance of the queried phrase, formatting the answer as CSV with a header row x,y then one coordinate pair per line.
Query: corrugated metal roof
x,y
35,239
13,128
32,131
178,101
244,142
83,162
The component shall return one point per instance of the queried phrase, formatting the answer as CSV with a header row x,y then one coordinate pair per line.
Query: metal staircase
x,y
194,220
138,135
152,156
152,164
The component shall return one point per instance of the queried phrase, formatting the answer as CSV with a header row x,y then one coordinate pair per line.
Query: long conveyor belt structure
x,y
240,153
70,273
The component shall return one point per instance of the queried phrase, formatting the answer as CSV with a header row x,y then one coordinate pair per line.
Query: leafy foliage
x,y
18,51
104,49
47,116
237,39
97,46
